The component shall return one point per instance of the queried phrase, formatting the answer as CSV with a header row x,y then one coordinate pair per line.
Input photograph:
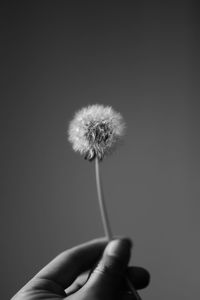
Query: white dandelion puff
x,y
95,131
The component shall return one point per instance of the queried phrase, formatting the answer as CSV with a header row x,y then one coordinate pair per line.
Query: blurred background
x,y
142,58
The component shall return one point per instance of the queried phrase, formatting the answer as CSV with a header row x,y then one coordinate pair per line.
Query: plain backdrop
x,y
142,58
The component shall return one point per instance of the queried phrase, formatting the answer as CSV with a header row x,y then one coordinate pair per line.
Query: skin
x,y
95,270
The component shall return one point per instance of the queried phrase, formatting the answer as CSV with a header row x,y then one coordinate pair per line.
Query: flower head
x,y
95,130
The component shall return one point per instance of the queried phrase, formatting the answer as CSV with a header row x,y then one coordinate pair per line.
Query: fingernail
x,y
119,248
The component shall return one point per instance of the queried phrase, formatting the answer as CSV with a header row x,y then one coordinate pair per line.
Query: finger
x,y
78,283
140,277
65,268
109,273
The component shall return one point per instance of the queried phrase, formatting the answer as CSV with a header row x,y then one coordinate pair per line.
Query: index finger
x,y
65,268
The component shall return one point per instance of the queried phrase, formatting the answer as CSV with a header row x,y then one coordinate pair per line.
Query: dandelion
x,y
94,132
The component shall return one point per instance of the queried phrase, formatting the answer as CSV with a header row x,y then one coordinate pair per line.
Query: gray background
x,y
141,57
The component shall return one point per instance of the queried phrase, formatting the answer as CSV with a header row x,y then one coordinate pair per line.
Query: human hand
x,y
69,275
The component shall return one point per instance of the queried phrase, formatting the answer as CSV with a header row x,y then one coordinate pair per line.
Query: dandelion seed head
x,y
95,131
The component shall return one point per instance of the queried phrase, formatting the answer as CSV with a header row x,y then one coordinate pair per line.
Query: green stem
x,y
102,205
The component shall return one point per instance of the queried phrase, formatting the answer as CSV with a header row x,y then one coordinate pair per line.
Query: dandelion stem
x,y
106,223
102,205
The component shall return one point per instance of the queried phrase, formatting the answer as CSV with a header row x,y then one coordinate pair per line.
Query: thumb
x,y
108,276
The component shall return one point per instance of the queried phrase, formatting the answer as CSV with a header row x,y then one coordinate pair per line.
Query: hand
x,y
75,274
